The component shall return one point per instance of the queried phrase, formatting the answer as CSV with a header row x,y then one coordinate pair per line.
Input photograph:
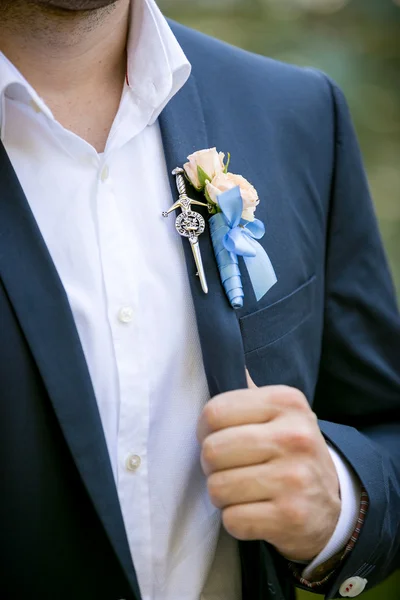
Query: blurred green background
x,y
357,42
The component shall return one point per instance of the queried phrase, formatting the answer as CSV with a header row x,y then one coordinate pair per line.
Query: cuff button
x,y
352,587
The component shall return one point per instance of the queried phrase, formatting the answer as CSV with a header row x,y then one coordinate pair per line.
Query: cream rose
x,y
248,214
223,182
209,162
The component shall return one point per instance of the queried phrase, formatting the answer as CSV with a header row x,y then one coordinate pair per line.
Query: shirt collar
x,y
157,66
14,85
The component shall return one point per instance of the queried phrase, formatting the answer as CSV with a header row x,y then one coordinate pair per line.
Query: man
x,y
110,350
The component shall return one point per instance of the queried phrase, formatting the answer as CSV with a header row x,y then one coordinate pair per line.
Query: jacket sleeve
x,y
358,393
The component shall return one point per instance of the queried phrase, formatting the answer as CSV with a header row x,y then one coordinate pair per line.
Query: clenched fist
x,y
269,469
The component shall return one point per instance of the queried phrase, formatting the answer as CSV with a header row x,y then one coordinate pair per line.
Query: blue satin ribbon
x,y
232,236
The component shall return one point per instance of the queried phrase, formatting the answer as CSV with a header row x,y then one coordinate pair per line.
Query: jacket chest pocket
x,y
270,324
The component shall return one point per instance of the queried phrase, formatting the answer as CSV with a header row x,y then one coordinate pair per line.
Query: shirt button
x,y
352,587
125,314
133,462
105,173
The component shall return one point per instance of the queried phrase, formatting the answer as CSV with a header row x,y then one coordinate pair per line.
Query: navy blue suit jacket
x,y
329,327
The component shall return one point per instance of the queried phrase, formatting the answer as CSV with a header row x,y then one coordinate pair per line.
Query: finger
x,y
252,521
237,408
250,382
242,485
239,447
275,480
256,405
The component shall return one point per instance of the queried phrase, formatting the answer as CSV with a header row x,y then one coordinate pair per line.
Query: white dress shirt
x,y
124,273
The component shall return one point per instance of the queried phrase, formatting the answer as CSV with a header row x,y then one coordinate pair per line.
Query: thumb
x,y
250,382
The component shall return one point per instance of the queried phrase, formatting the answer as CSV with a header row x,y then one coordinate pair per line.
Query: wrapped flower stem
x,y
227,261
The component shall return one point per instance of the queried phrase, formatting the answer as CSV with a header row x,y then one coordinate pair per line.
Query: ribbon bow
x,y
241,238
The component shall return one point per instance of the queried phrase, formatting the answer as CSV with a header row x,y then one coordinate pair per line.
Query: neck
x,y
75,60
60,50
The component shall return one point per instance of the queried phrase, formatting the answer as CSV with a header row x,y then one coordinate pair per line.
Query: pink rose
x,y
223,182
204,165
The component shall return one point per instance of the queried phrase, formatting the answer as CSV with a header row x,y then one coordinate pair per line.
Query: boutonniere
x,y
231,202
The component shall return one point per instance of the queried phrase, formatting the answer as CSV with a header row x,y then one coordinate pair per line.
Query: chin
x,y
77,5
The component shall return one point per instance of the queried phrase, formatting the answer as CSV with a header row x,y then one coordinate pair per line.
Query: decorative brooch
x,y
231,202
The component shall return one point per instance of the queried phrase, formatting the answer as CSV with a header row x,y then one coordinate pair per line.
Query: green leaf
x,y
192,183
212,207
203,177
227,163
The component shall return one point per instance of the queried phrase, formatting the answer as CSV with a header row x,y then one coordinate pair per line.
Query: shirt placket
x,y
122,264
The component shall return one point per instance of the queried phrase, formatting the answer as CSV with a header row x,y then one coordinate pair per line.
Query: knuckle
x,y
211,415
209,453
295,399
234,525
216,489
230,522
294,514
301,440
298,477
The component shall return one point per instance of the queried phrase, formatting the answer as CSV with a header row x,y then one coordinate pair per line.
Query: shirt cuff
x,y
350,493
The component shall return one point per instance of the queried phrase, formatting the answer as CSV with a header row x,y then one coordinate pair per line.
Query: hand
x,y
269,469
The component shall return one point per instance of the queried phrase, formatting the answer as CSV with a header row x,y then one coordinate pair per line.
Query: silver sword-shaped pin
x,y
189,224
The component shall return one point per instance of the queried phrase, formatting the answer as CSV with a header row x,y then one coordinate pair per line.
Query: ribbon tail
x,y
261,271
231,204
227,261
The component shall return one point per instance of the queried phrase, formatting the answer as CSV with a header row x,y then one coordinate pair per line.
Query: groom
x,y
139,459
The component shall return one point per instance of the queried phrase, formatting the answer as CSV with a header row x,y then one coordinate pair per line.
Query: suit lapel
x,y
44,314
183,131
